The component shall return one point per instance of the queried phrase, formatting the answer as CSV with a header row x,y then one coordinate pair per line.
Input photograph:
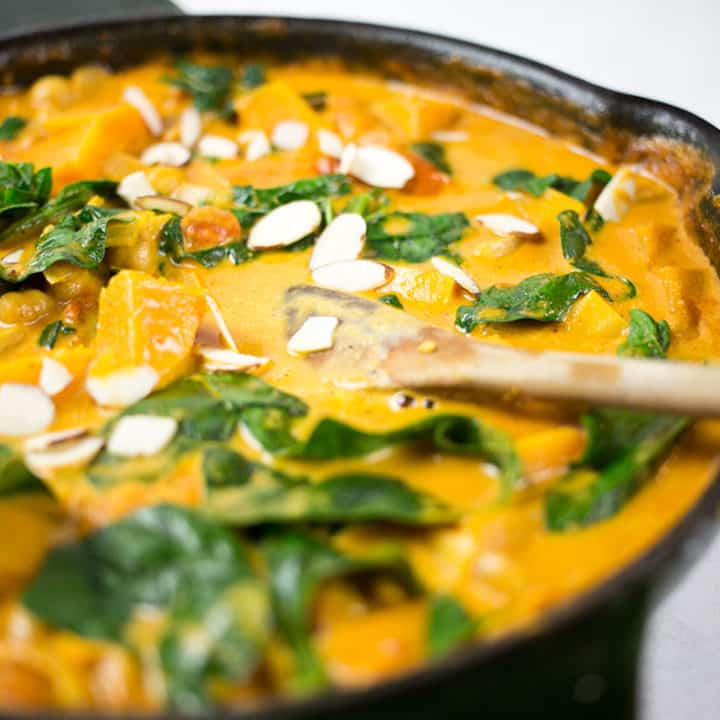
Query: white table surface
x,y
664,49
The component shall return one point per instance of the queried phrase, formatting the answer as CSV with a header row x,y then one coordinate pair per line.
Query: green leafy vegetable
x,y
434,153
297,564
448,626
371,204
51,332
526,181
623,447
15,477
209,85
413,237
183,565
22,189
253,76
542,298
646,337
573,236
316,100
392,300
11,126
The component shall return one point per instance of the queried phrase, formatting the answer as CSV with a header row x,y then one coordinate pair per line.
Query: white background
x,y
664,49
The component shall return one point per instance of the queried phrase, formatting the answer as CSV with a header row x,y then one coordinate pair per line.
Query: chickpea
x,y
25,307
79,285
207,227
88,78
51,92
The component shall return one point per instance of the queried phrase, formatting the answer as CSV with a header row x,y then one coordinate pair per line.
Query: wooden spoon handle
x,y
458,362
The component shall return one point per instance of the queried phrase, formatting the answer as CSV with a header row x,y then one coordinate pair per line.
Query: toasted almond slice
x,y
54,376
285,225
136,97
163,204
353,275
122,388
315,334
450,136
166,153
136,435
617,196
192,194
453,271
24,409
48,440
190,126
256,144
222,359
330,143
347,156
217,146
133,186
220,322
73,452
290,135
14,257
381,167
507,225
342,239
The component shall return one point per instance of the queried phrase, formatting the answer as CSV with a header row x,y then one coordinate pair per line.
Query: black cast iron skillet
x,y
580,661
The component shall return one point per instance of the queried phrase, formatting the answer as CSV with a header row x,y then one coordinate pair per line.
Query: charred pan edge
x,y
682,148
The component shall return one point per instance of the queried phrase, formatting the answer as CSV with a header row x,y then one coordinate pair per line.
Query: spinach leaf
x,y
542,298
646,337
298,563
392,300
448,625
371,204
11,126
51,332
316,100
573,236
22,189
419,238
172,244
253,76
177,562
15,477
209,85
614,466
526,181
434,153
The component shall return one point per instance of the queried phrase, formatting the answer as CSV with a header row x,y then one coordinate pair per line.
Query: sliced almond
x,y
217,146
136,97
73,452
381,167
136,435
290,135
220,359
190,126
616,197
450,136
54,376
342,239
507,225
123,387
48,440
256,144
14,257
315,334
163,204
353,275
166,153
347,156
192,194
285,225
133,186
453,271
330,143
24,409
220,322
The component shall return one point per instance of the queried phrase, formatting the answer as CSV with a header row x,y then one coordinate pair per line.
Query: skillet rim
x,y
696,527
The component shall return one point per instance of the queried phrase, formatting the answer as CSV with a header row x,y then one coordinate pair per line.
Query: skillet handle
x,y
30,15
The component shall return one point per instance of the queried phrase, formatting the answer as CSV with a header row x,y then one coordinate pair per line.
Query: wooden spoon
x,y
376,345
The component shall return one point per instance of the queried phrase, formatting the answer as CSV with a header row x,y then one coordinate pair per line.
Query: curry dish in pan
x,y
194,512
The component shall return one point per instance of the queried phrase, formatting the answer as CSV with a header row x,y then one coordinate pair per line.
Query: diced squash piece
x,y
272,103
425,286
684,288
350,115
121,164
550,451
26,368
414,117
146,321
593,315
